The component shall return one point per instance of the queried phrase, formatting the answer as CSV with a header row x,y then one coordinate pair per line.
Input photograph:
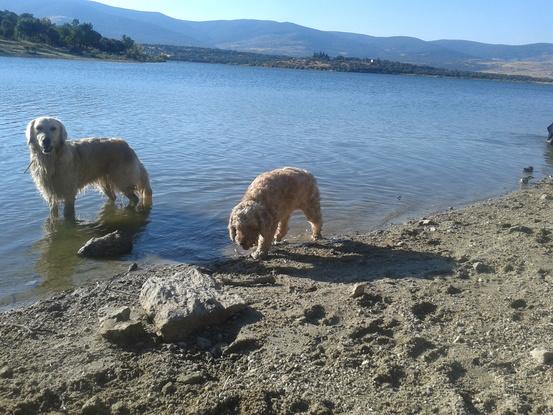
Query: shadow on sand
x,y
344,260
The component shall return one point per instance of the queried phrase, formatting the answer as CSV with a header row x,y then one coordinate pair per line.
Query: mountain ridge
x,y
277,38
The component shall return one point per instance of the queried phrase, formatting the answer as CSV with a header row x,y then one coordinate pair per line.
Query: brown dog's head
x,y
46,134
247,221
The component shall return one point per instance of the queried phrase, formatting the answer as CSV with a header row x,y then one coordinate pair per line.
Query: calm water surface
x,y
382,147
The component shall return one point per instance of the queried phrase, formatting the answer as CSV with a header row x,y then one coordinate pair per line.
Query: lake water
x,y
382,147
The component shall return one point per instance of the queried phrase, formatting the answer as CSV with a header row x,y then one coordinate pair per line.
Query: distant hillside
x,y
276,38
323,62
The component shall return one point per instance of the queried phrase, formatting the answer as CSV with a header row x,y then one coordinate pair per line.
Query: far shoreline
x,y
47,52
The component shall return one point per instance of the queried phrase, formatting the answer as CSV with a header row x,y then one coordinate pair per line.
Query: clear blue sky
x,y
492,21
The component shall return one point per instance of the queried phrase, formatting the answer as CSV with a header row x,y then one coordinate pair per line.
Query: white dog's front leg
x,y
69,208
54,210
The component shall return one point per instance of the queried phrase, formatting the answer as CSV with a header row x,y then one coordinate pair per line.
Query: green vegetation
x,y
75,38
323,62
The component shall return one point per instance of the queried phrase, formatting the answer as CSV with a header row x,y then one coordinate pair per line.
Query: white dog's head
x,y
46,134
247,221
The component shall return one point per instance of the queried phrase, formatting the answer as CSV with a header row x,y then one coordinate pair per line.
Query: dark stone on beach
x,y
94,406
112,245
6,372
133,267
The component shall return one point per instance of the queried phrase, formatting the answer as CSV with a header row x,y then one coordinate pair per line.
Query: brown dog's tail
x,y
145,188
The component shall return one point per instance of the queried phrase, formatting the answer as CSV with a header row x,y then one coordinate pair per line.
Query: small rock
x,y
519,303
508,268
452,290
358,290
6,372
243,344
528,169
133,267
427,222
463,258
314,313
192,378
542,356
521,229
545,197
480,267
423,309
122,332
94,406
168,389
117,314
112,245
120,408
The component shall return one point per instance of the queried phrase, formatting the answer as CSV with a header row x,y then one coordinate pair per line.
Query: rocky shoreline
x,y
450,314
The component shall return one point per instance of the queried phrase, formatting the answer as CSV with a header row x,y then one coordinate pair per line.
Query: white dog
x,y
61,168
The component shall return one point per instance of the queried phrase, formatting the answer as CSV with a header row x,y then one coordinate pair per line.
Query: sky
x,y
490,21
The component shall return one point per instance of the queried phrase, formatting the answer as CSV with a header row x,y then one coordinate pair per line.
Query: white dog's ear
x,y
63,132
30,131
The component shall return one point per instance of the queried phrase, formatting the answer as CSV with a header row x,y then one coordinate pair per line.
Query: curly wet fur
x,y
267,205
61,168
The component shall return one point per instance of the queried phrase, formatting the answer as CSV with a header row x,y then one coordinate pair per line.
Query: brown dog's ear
x,y
232,232
264,219
30,131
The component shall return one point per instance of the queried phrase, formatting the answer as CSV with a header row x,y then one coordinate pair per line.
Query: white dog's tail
x,y
145,188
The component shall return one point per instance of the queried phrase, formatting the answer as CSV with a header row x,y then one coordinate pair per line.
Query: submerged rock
x,y
186,301
112,245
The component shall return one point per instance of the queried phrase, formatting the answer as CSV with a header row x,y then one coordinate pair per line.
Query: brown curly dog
x,y
268,204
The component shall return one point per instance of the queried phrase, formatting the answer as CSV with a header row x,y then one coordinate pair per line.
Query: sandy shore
x,y
454,309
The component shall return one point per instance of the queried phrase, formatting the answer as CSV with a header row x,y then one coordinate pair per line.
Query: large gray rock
x,y
186,301
112,245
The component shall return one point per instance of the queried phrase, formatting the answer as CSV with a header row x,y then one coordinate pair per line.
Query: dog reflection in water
x,y
58,262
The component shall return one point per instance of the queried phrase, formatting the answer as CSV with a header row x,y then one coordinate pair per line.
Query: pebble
x,y
192,378
358,290
542,356
6,372
168,389
479,267
133,267
120,408
94,406
545,197
427,222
